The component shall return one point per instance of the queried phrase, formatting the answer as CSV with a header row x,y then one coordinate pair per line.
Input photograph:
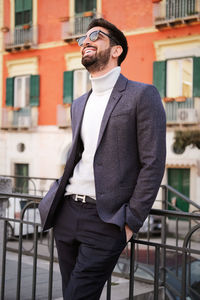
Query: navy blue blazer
x,y
129,160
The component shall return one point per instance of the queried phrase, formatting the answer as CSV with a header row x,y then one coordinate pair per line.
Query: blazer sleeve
x,y
151,138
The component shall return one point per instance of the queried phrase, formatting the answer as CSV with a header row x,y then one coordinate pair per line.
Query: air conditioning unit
x,y
187,115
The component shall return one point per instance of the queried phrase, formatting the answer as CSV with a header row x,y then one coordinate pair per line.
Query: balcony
x,y
76,26
169,13
63,115
24,37
23,118
181,112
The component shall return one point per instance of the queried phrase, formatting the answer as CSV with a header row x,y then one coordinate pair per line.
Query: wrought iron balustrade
x,y
76,26
21,37
162,258
172,12
26,117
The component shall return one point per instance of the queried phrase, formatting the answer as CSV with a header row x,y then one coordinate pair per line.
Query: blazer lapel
x,y
114,98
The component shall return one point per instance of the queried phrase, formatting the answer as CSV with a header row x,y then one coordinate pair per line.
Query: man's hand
x,y
129,233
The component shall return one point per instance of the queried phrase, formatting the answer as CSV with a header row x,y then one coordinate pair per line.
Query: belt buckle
x,y
81,198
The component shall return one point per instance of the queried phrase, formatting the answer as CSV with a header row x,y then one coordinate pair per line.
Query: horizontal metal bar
x,y
28,177
23,196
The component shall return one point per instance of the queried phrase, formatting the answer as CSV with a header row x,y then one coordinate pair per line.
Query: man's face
x,y
96,55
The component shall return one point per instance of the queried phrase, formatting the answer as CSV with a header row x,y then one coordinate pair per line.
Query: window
x,y
179,77
21,183
21,91
23,12
76,83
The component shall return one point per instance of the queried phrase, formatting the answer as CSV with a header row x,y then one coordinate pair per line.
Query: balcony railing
x,y
24,37
175,12
77,25
182,112
26,118
63,115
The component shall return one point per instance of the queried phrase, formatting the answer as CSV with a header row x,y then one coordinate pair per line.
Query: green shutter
x,y
34,90
68,87
159,77
19,7
22,5
85,5
28,5
9,91
196,76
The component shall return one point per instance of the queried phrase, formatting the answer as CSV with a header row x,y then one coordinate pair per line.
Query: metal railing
x,y
147,255
21,118
21,37
31,185
77,25
173,108
171,12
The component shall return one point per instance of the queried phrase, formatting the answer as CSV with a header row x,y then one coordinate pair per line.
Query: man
x,y
113,171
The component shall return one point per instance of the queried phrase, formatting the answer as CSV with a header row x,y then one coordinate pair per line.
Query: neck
x,y
105,70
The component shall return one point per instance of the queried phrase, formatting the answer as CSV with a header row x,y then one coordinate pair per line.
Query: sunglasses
x,y
93,36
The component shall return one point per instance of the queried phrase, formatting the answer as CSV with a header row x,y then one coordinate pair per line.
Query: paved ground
x,y
119,285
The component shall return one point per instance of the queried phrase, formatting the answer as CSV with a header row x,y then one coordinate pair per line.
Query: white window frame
x,y
178,81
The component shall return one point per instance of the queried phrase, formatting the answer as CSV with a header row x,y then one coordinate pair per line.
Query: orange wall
x,y
129,16
50,14
6,13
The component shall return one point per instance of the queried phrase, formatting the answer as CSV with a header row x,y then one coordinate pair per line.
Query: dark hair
x,y
117,35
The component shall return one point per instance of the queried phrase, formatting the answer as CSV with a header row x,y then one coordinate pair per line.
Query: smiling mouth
x,y
88,51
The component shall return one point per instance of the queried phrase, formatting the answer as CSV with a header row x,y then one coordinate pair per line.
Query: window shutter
x,y
196,76
159,77
9,91
28,5
34,90
68,87
19,7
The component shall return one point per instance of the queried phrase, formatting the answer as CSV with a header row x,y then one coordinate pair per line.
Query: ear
x,y
116,51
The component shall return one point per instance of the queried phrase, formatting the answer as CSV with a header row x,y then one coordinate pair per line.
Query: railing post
x,y
163,236
3,268
156,273
108,292
50,284
5,187
132,264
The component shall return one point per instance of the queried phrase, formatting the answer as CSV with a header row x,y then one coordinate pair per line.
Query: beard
x,y
96,62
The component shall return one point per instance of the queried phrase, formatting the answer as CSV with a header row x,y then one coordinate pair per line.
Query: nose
x,y
86,42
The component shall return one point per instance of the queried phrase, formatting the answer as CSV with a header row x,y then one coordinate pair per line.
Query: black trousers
x,y
88,249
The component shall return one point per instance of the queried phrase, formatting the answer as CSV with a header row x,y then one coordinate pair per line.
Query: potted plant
x,y
4,29
88,14
180,99
26,26
168,99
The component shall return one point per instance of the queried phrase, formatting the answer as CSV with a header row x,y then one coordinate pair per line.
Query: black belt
x,y
83,199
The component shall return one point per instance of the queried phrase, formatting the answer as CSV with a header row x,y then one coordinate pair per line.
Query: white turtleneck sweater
x,y
82,180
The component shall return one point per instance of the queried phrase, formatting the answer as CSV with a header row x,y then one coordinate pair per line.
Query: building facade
x,y
41,74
